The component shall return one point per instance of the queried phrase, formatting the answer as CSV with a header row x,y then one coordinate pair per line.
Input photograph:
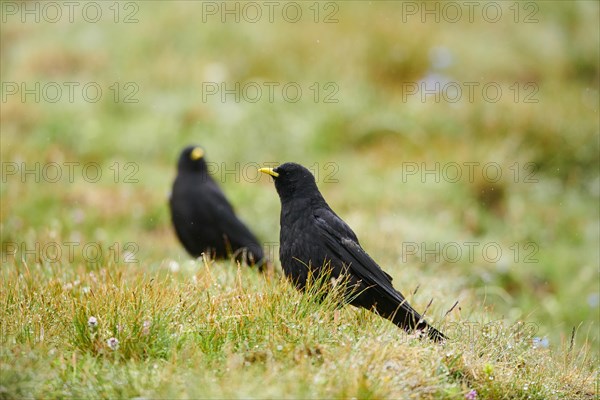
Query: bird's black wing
x,y
341,242
226,220
216,200
377,290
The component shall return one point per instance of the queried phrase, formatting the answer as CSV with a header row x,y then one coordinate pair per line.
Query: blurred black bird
x,y
314,240
204,220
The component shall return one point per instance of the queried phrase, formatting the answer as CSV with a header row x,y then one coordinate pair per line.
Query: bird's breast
x,y
301,242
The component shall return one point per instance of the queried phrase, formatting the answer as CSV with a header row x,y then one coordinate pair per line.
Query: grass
x,y
217,330
526,323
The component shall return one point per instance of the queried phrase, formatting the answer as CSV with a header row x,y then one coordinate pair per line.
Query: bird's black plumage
x,y
314,238
203,218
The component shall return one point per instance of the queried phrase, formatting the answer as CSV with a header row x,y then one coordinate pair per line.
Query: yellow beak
x,y
197,153
269,171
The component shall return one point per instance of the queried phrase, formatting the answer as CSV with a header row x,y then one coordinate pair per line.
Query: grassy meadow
x,y
460,144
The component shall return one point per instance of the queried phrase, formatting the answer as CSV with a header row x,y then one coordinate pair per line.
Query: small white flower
x,y
92,322
146,327
390,365
113,343
173,266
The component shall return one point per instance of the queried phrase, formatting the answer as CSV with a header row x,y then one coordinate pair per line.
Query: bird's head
x,y
293,181
192,159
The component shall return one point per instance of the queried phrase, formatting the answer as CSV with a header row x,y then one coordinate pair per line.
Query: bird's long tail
x,y
410,320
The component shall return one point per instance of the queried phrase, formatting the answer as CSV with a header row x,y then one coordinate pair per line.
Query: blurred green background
x,y
361,122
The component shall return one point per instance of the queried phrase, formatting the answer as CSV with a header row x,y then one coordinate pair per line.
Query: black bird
x,y
204,220
314,240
